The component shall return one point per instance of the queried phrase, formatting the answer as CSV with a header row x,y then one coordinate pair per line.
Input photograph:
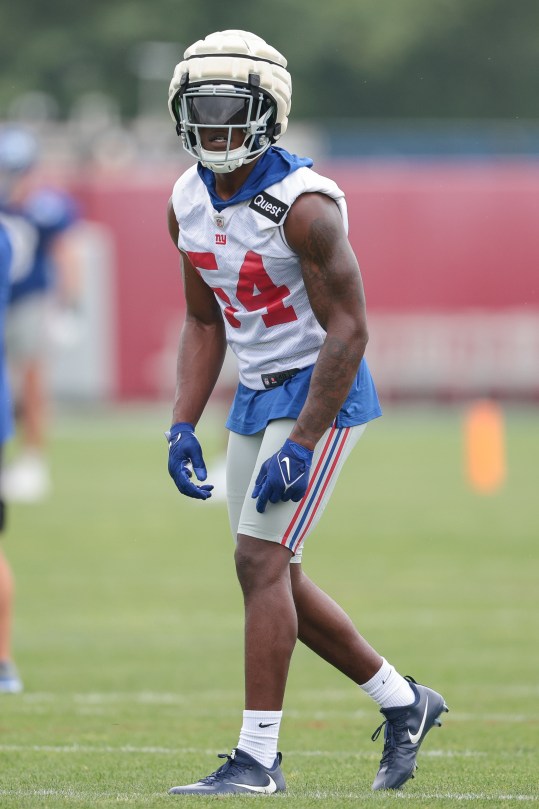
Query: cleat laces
x,y
390,745
229,768
390,740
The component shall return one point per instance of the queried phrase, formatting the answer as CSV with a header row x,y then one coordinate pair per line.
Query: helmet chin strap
x,y
223,168
233,161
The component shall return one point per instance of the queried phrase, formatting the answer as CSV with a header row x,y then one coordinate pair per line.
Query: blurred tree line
x,y
348,58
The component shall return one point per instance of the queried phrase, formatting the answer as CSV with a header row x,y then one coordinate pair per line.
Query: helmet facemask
x,y
219,111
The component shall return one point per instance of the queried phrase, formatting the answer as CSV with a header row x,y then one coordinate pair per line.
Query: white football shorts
x,y
27,328
287,523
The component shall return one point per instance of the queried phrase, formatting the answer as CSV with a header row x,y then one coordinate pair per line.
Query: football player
x,y
268,270
41,221
10,681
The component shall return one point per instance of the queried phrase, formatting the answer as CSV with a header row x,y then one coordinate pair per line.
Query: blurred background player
x,y
10,681
41,220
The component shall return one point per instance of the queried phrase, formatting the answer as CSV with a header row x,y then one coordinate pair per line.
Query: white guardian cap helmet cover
x,y
230,80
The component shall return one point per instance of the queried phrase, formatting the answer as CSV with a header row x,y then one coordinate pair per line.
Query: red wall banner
x,y
452,237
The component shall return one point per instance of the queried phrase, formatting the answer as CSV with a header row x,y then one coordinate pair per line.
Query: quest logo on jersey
x,y
269,207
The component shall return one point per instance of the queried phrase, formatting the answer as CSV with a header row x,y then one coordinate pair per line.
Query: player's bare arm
x,y
315,231
202,341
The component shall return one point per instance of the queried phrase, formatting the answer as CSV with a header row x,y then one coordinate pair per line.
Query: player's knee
x,y
259,563
245,559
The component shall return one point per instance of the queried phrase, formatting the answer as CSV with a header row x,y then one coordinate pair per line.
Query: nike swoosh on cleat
x,y
269,789
415,737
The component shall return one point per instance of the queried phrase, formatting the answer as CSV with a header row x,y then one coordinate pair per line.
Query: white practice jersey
x,y
242,254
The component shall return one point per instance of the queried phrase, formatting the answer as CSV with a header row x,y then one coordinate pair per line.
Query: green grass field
x,y
129,622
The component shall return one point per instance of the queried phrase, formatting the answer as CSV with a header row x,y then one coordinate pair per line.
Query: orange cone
x,y
485,446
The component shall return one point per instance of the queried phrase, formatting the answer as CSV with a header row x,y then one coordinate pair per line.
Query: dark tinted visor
x,y
218,110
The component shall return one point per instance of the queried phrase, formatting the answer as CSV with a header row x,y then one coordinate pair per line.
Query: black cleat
x,y
405,729
241,773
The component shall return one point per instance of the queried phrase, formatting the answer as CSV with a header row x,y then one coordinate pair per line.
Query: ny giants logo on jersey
x,y
220,238
269,206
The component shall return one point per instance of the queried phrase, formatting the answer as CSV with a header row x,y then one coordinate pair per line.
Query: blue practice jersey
x,y
45,214
6,255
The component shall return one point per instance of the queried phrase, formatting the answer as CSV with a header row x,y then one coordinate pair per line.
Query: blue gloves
x,y
185,451
284,476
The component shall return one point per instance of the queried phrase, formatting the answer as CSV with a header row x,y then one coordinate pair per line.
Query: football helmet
x,y
229,81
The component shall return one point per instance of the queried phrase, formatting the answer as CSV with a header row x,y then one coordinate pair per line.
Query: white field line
x,y
176,698
84,703
179,751
466,796
425,796
91,797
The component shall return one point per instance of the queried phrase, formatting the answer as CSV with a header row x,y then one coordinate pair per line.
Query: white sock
x,y
388,688
260,734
